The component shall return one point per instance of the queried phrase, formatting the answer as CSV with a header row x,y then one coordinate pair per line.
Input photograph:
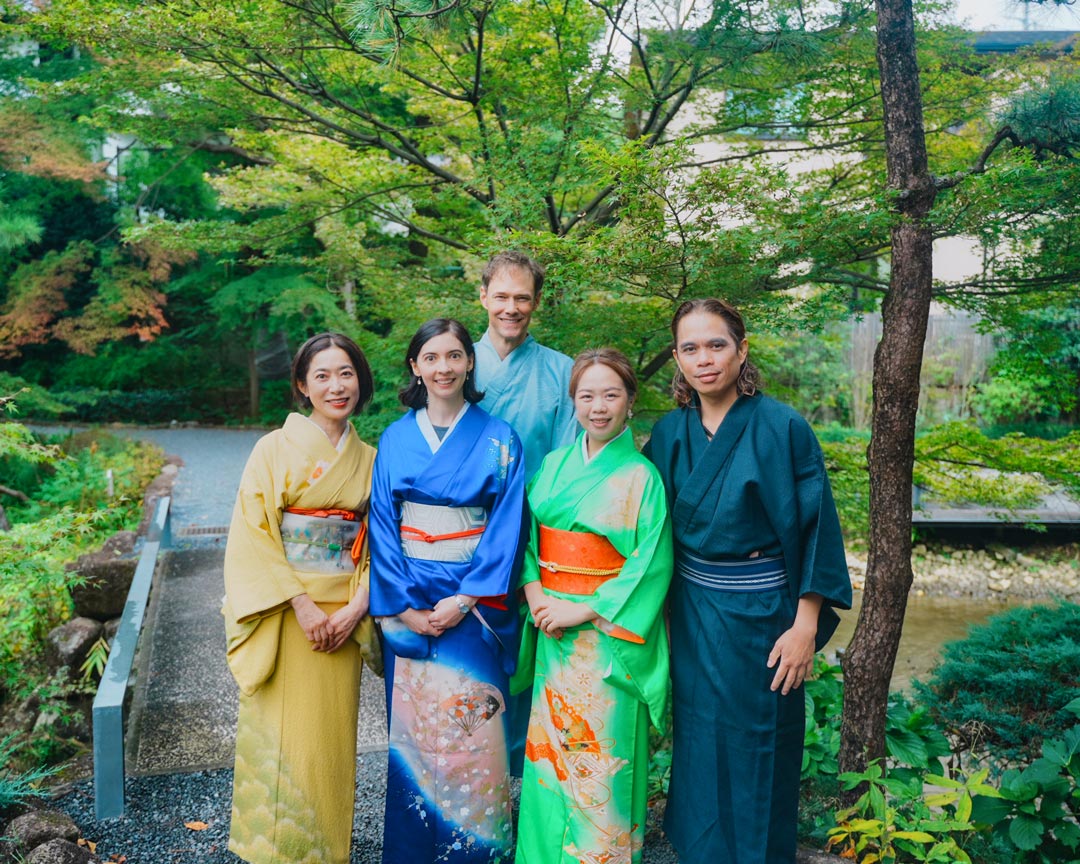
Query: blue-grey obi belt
x,y
748,575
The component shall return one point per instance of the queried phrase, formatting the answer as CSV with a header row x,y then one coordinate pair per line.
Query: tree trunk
x,y
868,662
253,383
5,525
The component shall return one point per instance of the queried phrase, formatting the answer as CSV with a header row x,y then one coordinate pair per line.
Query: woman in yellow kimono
x,y
296,616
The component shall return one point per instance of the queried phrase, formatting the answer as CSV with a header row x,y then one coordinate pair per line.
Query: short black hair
x,y
320,342
414,394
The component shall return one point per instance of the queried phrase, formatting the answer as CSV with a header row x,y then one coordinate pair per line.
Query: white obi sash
x,y
440,533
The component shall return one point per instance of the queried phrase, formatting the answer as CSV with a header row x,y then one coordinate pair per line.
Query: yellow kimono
x,y
294,778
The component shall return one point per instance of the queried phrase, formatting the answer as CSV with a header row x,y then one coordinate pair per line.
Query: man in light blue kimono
x,y
524,383
527,386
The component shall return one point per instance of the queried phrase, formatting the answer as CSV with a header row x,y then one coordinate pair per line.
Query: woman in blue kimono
x,y
759,566
446,513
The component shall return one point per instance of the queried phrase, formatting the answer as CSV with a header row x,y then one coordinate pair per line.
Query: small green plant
x,y
824,694
93,667
1037,810
19,787
894,821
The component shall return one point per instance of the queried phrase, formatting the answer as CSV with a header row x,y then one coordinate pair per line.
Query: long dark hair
x,y
320,342
414,394
749,378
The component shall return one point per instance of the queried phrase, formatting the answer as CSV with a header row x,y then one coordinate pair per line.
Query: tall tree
x,y
870,657
1031,128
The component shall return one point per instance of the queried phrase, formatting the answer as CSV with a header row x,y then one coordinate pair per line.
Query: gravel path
x,y
152,831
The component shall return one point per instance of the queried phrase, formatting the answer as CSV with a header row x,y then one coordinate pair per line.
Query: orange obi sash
x,y
576,562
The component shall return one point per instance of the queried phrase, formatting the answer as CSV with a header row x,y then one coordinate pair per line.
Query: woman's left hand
x,y
446,613
342,623
556,614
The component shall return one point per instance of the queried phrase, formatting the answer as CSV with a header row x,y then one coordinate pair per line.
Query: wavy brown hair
x,y
749,378
512,259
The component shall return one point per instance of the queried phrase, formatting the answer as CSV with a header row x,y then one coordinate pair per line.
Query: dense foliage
x,y
1007,687
281,175
68,513
921,807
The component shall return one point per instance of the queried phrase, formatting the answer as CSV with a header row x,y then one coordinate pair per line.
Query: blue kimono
x,y
530,390
445,519
755,529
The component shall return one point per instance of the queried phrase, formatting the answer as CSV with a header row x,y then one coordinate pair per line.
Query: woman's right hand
x,y
418,621
313,621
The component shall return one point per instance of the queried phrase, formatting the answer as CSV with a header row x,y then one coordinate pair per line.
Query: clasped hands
x,y
329,632
435,622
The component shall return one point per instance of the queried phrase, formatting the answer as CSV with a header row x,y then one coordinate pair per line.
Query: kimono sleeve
x,y
392,589
493,563
634,599
814,539
258,577
633,602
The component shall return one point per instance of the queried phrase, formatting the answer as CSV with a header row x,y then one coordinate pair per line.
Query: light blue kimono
x,y
530,390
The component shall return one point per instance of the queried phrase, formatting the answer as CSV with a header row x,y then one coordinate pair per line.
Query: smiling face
x,y
709,357
510,300
332,385
601,404
442,363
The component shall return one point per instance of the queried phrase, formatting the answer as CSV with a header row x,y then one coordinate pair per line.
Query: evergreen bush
x,y
1006,687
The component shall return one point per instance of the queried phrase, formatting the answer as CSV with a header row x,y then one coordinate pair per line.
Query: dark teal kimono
x,y
759,488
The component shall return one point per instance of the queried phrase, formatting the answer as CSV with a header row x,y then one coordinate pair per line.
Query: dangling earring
x,y
419,381
629,413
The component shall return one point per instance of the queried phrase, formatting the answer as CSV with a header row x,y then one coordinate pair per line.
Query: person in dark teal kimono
x,y
759,571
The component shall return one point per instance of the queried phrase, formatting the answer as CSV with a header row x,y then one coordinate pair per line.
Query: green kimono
x,y
583,793
755,529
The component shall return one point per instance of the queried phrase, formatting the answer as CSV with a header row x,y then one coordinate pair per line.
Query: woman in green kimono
x,y
759,566
596,572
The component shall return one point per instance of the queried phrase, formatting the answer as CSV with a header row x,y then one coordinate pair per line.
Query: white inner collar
x,y
585,445
427,428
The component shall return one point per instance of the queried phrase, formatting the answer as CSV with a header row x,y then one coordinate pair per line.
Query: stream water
x,y
930,622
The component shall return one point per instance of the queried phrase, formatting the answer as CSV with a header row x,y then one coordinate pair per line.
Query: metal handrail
x,y
108,712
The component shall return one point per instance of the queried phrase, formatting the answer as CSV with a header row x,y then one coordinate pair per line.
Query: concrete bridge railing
x,y
108,711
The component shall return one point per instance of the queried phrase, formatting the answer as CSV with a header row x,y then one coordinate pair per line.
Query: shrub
x,y
69,513
91,405
1006,687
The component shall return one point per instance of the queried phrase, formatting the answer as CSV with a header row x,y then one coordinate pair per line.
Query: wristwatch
x,y
463,607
